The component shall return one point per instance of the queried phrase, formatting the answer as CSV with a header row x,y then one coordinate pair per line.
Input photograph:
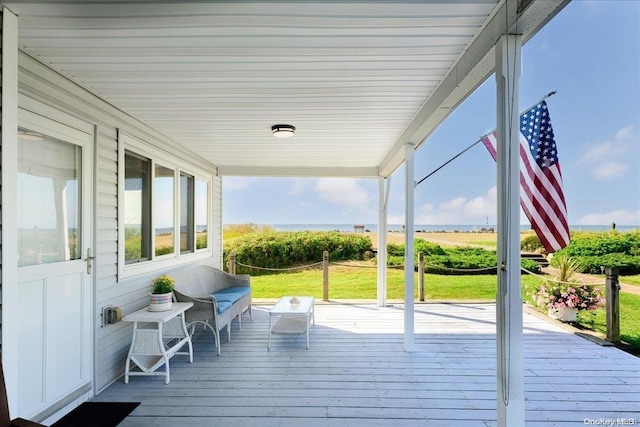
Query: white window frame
x,y
156,156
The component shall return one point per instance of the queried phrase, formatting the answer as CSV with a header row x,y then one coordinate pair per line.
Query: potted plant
x,y
565,296
564,300
162,293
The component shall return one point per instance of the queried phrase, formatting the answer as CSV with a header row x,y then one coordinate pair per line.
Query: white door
x,y
54,203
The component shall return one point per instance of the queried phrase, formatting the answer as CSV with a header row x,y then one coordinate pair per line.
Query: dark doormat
x,y
97,414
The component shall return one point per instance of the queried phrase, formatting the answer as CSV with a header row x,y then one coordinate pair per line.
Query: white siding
x,y
111,342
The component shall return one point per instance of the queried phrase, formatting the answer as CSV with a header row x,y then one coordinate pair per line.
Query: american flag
x,y
541,195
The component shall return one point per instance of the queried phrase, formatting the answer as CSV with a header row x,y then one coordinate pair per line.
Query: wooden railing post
x,y
232,262
612,304
325,276
421,276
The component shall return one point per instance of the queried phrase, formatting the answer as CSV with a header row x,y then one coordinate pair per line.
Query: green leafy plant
x,y
567,267
163,284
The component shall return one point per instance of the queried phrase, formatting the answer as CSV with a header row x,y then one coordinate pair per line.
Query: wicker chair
x,y
198,285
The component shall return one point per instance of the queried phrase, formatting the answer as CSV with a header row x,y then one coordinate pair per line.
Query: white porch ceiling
x,y
357,79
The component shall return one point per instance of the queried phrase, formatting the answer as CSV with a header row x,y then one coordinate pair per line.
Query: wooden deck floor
x,y
357,374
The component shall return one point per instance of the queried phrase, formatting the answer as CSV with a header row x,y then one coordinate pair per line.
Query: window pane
x,y
137,206
163,210
187,228
202,213
49,214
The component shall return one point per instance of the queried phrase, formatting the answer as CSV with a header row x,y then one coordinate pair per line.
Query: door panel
x,y
54,231
64,333
31,344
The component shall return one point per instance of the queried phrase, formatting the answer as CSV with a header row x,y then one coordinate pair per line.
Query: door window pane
x,y
187,228
137,208
202,213
49,188
163,210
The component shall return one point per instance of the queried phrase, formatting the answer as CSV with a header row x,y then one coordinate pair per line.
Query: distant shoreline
x,y
426,228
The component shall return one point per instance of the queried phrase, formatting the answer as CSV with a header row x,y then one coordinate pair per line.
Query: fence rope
x,y
559,281
441,267
353,265
302,267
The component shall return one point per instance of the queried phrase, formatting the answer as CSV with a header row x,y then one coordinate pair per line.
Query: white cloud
x,y
299,186
620,216
233,183
595,152
460,210
345,192
613,152
625,133
609,170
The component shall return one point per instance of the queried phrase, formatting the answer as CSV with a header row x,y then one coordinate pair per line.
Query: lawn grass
x,y
631,280
356,282
629,319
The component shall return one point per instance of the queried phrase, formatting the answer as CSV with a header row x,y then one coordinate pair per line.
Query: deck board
x,y
357,374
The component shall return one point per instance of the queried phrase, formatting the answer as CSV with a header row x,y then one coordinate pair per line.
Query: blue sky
x,y
589,53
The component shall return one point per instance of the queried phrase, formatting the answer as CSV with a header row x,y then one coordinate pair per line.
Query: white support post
x,y
408,249
509,334
383,196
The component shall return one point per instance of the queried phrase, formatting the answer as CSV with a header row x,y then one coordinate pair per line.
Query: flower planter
x,y
564,314
161,302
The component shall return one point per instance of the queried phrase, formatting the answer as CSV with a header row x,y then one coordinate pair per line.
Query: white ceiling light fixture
x,y
283,131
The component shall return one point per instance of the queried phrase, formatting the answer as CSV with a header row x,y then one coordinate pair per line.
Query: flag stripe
x,y
544,192
541,196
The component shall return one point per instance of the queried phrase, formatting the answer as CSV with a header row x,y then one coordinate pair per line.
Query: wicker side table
x,y
153,347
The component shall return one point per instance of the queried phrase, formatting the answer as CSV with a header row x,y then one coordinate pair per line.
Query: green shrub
x,y
531,244
419,245
602,243
164,250
626,264
530,265
453,261
286,249
603,249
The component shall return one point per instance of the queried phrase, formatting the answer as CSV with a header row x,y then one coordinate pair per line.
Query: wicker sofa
x,y
218,298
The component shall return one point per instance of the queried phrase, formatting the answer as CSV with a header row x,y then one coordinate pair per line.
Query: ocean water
x,y
431,228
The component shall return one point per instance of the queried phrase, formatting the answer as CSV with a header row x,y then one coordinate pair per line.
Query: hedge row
x,y
604,249
456,261
597,249
285,249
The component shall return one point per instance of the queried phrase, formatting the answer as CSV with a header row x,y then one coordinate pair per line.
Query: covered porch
x,y
356,373
190,92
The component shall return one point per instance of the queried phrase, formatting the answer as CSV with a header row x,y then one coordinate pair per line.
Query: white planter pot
x,y
161,302
566,314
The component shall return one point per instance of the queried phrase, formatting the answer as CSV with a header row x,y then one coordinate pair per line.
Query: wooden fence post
x,y
421,276
232,262
325,275
612,304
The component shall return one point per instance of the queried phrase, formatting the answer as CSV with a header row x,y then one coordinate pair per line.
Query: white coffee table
x,y
291,318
